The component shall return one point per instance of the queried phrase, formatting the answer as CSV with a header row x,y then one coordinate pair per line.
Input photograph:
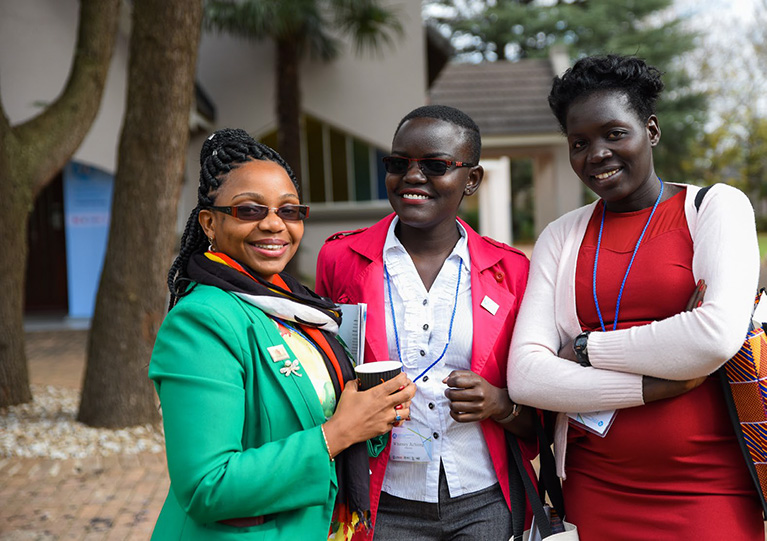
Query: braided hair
x,y
222,152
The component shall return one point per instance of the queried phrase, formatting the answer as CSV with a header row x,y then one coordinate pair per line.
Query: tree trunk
x,y
131,300
14,212
30,156
288,103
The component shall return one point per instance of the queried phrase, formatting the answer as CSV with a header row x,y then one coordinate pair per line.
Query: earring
x,y
210,245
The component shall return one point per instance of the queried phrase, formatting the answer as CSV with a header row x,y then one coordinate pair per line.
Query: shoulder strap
x,y
518,475
700,195
548,483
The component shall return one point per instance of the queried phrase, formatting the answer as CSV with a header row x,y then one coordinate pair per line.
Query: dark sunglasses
x,y
435,167
254,213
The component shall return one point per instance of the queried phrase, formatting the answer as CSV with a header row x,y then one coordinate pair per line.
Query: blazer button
x,y
499,277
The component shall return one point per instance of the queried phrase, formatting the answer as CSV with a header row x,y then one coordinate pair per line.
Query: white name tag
x,y
489,304
411,442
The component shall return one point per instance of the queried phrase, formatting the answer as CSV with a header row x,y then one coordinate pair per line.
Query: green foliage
x,y
514,29
309,23
736,154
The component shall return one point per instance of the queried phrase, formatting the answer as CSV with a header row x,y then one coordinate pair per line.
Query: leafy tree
x,y
734,149
31,154
131,301
297,28
513,29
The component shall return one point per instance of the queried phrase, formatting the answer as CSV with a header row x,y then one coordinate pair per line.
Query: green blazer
x,y
242,439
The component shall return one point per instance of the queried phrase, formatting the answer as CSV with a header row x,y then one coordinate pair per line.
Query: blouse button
x,y
436,436
425,326
431,405
423,353
425,302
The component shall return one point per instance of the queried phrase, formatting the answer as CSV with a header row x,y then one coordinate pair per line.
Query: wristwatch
x,y
580,346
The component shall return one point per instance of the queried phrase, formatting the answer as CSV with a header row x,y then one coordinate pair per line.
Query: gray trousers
x,y
479,516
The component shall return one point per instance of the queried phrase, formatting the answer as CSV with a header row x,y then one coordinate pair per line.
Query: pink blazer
x,y
350,270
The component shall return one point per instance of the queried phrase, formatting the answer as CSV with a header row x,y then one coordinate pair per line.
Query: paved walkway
x,y
114,498
99,498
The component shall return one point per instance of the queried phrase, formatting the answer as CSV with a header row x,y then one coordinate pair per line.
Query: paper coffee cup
x,y
372,374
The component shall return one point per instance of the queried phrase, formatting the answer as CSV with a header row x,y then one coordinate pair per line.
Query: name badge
x,y
598,422
411,442
489,304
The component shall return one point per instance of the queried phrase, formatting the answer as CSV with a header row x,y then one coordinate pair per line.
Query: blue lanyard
x,y
450,329
631,262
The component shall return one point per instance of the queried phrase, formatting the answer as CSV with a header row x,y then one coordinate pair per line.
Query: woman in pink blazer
x,y
450,329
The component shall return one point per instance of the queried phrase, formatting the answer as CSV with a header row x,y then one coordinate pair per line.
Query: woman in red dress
x,y
632,302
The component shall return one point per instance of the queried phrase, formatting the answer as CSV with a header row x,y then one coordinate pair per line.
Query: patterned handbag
x,y
744,381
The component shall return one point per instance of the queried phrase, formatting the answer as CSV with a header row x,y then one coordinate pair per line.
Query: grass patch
x,y
762,238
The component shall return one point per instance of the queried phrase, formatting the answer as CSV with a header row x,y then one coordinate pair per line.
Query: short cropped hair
x,y
630,75
454,116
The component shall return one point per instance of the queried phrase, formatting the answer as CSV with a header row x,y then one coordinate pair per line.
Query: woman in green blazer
x,y
265,428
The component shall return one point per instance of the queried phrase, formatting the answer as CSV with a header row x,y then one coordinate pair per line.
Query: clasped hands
x,y
656,388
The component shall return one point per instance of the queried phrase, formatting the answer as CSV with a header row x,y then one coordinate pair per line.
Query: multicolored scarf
x,y
286,299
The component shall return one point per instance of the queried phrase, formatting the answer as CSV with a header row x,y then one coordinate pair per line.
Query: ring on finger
x,y
398,418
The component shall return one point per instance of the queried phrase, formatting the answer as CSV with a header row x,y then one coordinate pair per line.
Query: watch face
x,y
580,342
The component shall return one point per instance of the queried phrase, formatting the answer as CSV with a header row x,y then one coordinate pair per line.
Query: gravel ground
x,y
46,427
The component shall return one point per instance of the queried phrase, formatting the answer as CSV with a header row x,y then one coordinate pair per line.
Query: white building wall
x,y
367,94
37,41
364,95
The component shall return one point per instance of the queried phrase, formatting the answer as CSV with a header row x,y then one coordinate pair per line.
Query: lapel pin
x,y
489,304
278,353
291,369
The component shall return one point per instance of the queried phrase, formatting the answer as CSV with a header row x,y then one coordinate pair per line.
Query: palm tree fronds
x,y
369,23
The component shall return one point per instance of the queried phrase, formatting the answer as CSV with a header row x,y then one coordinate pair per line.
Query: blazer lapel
x,y
486,293
490,301
367,285
294,382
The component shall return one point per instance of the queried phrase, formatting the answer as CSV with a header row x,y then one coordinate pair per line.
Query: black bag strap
x,y
548,472
532,496
516,491
521,485
700,195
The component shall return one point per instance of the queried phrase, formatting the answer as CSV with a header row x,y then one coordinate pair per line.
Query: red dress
x,y
672,469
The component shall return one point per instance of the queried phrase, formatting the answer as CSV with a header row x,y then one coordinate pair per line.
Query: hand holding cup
x,y
372,374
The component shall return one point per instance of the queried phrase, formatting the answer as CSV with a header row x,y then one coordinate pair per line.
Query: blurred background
x,y
105,104
326,83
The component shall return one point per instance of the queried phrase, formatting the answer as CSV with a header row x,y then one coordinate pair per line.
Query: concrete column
x,y
495,200
556,187
569,186
544,191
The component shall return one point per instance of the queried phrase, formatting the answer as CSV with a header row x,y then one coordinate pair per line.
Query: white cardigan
x,y
684,346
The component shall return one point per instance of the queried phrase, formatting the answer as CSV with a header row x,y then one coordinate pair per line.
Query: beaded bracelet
x,y
327,445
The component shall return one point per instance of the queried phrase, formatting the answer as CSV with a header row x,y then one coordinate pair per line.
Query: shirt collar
x,y
393,249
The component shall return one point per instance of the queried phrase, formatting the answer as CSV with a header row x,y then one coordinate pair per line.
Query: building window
x,y
337,167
